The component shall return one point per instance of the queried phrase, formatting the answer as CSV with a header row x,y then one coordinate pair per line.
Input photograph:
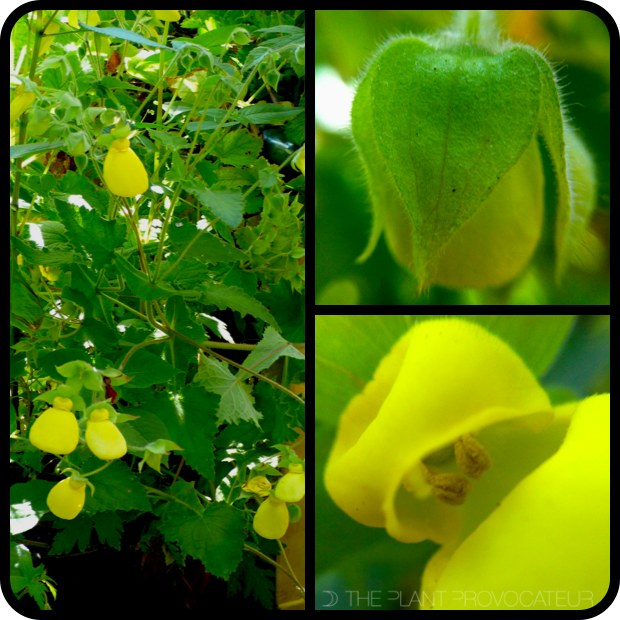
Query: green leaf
x,y
215,536
28,150
207,249
268,352
126,35
146,370
237,404
236,299
140,284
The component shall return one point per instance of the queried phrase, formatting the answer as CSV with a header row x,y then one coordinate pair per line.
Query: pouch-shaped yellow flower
x,y
123,172
292,487
56,431
103,437
272,519
67,499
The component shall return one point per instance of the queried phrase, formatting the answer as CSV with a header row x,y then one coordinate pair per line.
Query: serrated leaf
x,y
237,404
207,249
271,348
126,35
215,537
234,298
147,369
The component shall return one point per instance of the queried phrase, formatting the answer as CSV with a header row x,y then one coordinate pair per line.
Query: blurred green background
x,y
576,43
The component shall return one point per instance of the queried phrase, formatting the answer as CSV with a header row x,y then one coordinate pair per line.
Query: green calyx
x,y
447,130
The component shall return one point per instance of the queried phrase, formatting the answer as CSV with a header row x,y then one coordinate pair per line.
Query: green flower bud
x,y
241,36
447,127
77,143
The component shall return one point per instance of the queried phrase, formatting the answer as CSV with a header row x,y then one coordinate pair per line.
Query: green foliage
x,y
180,311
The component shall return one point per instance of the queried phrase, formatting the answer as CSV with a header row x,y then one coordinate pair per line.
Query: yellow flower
x,y
259,485
56,430
168,16
455,441
465,379
67,499
123,172
272,519
292,487
103,437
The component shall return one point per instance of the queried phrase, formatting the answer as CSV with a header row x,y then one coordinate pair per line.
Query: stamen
x,y
473,460
449,488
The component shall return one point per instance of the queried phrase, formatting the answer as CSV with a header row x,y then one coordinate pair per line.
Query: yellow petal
x,y
259,485
55,431
168,16
99,415
301,161
547,545
47,41
105,440
93,18
272,519
123,172
444,379
67,499
292,487
63,403
72,18
50,273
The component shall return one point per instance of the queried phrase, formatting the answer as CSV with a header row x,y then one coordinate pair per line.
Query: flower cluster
x,y
273,517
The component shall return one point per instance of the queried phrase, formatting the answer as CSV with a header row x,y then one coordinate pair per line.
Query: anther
x,y
449,488
472,459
